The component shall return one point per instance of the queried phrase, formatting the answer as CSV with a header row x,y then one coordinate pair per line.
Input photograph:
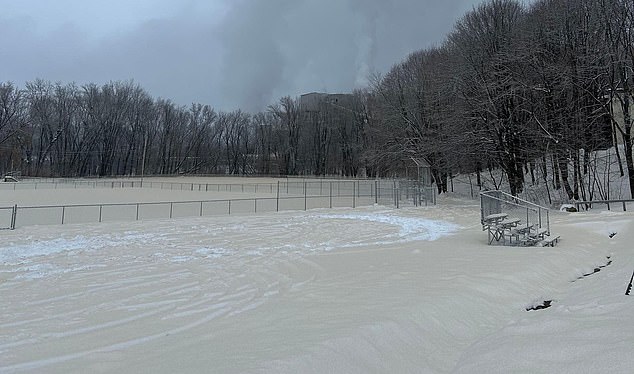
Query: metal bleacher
x,y
509,220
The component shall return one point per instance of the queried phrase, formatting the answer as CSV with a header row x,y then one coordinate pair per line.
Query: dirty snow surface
x,y
366,290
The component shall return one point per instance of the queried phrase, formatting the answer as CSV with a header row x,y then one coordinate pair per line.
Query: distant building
x,y
319,102
311,102
332,132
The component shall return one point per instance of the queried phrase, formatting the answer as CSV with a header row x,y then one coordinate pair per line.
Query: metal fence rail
x,y
86,213
588,204
181,186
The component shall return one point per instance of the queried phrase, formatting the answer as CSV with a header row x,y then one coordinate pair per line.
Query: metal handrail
x,y
606,202
487,193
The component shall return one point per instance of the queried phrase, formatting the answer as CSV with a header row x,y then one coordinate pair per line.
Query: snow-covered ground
x,y
343,290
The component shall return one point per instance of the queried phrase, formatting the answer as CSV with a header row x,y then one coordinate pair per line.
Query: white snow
x,y
341,291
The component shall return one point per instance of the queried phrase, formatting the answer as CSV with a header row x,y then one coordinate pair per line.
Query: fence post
x,y
14,213
624,208
373,191
171,209
137,211
100,209
330,195
394,192
63,213
255,205
305,193
201,208
354,195
277,199
229,207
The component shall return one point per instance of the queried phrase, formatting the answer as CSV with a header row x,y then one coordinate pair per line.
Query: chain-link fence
x,y
284,195
386,190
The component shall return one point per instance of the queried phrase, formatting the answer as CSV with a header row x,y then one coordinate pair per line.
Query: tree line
x,y
532,91
54,129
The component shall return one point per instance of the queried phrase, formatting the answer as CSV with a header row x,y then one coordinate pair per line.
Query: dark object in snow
x,y
568,208
629,286
612,234
544,305
597,269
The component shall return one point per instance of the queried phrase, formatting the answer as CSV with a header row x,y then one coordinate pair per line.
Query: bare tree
x,y
618,21
287,112
236,140
12,122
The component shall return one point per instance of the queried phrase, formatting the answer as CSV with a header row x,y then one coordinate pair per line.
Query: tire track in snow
x,y
169,278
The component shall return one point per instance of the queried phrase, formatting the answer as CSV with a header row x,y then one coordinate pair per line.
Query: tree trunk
x,y
563,171
545,176
627,141
556,180
576,177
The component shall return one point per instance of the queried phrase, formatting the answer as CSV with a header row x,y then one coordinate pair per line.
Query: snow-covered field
x,y
343,290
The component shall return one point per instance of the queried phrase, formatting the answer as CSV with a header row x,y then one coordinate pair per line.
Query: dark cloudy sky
x,y
226,53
